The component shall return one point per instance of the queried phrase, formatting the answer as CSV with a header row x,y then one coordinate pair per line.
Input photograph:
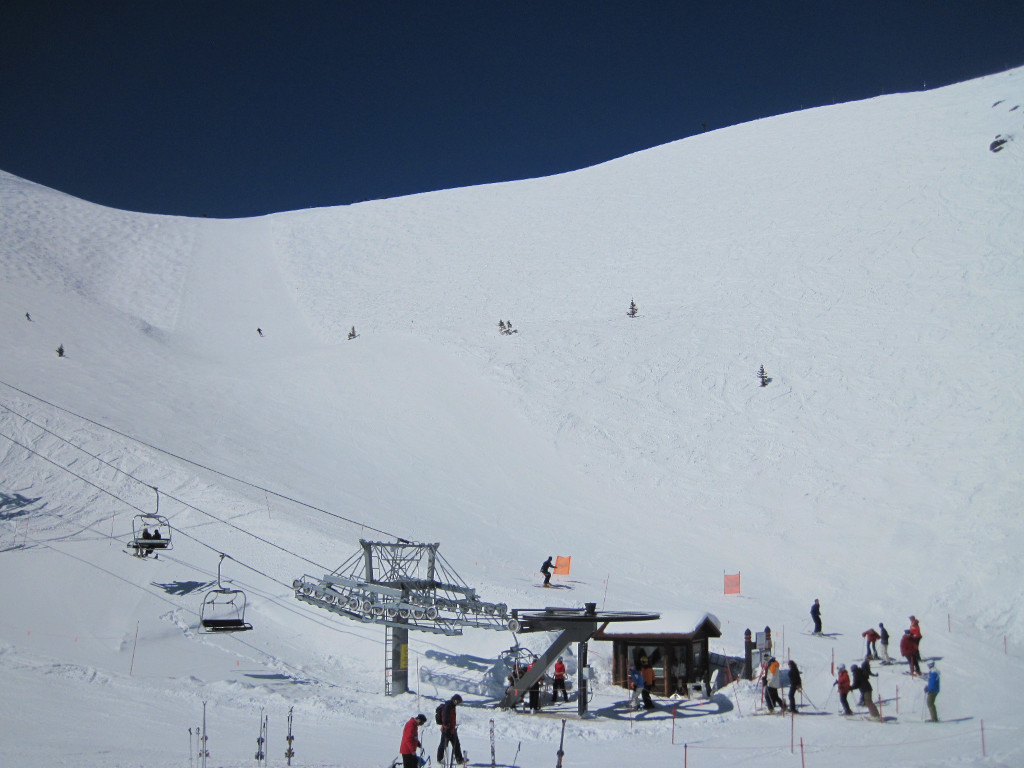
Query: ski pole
x,y
518,746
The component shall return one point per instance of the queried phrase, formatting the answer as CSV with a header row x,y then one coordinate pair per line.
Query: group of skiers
x,y
772,680
557,682
446,716
641,681
860,682
910,649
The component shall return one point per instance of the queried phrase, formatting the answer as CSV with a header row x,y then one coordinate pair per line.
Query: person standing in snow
x,y
843,683
932,689
260,332
816,615
871,637
450,731
794,685
411,741
865,669
772,684
535,689
862,683
546,570
884,636
915,631
647,673
907,649
558,682
636,682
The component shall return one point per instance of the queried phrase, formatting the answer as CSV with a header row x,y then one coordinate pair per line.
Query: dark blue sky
x,y
231,108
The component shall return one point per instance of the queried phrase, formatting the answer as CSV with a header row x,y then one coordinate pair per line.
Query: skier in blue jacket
x,y
636,682
932,689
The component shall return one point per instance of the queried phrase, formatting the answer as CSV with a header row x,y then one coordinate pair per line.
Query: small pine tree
x,y
763,376
60,351
501,326
352,334
632,309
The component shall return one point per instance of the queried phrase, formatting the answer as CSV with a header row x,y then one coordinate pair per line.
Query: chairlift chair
x,y
223,609
150,532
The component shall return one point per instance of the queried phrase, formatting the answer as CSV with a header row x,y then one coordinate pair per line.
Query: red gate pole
x,y
983,738
802,763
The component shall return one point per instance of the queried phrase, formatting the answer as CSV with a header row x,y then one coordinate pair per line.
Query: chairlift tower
x,y
403,586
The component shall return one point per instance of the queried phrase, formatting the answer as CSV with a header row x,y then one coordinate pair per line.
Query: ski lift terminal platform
x,y
574,625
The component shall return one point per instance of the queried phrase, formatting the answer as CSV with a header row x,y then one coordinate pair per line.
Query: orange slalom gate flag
x,y
732,584
562,565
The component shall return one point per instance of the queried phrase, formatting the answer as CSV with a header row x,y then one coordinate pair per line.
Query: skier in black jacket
x,y
546,570
794,685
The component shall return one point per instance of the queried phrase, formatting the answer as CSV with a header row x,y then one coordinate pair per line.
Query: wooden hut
x,y
681,660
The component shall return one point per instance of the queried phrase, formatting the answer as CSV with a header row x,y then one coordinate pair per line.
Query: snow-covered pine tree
x,y
632,309
60,351
501,326
352,334
763,376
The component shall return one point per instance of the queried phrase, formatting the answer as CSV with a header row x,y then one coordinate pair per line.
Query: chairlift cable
x,y
76,475
202,466
158,492
179,532
64,440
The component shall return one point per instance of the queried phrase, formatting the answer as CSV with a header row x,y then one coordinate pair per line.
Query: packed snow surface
x,y
869,255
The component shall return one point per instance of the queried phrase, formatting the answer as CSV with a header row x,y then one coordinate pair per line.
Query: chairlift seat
x,y
223,610
225,625
151,543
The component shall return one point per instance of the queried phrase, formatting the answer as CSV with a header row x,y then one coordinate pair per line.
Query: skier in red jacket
x,y
872,637
411,741
908,649
558,682
843,682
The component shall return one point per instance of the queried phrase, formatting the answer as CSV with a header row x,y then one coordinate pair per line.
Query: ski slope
x,y
869,255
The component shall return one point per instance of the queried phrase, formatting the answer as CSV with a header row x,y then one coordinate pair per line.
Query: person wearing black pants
x,y
794,685
450,731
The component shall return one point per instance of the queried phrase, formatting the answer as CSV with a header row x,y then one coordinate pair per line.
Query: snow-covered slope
x,y
869,255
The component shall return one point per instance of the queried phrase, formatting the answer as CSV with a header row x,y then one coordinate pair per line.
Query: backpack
x,y
439,714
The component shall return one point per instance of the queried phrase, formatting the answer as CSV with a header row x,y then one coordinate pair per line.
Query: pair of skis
x,y
199,746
